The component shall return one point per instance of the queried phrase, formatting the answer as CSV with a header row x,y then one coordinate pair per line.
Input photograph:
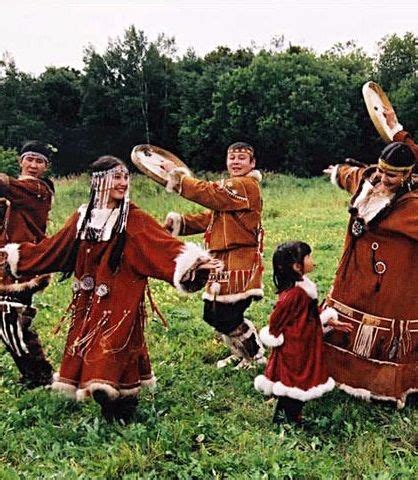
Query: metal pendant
x,y
358,228
87,283
102,290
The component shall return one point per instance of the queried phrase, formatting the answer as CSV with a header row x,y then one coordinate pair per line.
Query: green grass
x,y
203,422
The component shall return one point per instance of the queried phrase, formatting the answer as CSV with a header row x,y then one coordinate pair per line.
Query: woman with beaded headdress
x,y
111,247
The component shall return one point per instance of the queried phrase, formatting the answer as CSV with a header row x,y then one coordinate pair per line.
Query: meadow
x,y
202,422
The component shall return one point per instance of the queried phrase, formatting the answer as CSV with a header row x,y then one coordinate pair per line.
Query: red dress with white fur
x,y
295,367
106,346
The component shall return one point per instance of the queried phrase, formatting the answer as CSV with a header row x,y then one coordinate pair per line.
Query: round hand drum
x,y
148,159
376,102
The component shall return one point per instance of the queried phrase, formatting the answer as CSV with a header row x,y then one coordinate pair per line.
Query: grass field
x,y
201,422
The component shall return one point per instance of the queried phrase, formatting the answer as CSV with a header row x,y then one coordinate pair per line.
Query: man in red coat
x,y
29,199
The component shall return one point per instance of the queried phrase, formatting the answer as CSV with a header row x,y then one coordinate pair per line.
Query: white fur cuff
x,y
396,129
270,340
12,250
187,262
149,382
334,176
177,220
328,314
175,178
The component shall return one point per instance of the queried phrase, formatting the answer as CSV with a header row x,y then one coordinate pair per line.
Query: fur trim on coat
x,y
175,178
177,223
270,340
255,174
12,250
187,262
309,286
267,387
328,314
334,176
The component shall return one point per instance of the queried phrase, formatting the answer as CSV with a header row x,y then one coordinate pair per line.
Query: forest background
x,y
299,109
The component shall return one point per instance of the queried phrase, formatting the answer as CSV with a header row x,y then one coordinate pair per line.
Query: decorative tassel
x,y
364,340
405,340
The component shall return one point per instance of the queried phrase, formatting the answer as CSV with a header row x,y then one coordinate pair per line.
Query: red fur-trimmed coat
x,y
296,367
105,346
30,202
232,228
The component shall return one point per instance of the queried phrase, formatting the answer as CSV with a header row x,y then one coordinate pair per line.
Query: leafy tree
x,y
20,106
397,59
127,94
405,101
200,137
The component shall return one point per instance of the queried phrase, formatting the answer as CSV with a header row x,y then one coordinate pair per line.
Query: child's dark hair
x,y
285,255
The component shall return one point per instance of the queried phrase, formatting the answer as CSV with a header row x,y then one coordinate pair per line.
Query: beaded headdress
x,y
100,186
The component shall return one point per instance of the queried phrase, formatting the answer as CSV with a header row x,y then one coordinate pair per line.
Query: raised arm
x,y
226,195
22,193
399,134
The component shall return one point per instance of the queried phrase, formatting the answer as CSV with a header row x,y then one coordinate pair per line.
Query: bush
x,y
8,162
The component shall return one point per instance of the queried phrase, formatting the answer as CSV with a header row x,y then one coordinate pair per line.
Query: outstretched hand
x,y
328,171
212,264
167,165
390,117
340,326
169,225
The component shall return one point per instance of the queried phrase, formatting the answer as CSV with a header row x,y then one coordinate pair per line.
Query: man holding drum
x,y
232,230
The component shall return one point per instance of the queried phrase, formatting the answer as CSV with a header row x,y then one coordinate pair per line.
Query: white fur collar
x,y
255,174
99,217
27,177
369,204
309,287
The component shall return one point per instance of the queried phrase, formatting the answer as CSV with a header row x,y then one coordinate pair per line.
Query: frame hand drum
x,y
148,159
376,102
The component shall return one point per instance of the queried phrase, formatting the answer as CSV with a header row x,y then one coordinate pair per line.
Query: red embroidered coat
x,y
106,347
30,202
375,290
296,367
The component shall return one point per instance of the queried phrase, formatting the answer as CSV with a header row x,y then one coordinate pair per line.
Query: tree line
x,y
299,109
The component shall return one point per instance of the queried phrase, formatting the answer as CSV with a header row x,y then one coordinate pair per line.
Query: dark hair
x,y
38,147
285,255
398,155
104,163
239,145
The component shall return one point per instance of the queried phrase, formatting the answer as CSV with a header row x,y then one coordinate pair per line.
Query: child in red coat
x,y
295,371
